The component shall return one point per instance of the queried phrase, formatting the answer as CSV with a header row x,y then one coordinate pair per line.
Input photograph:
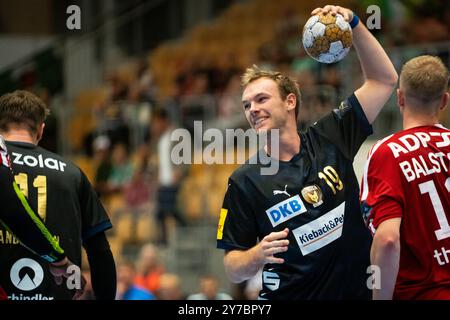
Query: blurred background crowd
x,y
139,69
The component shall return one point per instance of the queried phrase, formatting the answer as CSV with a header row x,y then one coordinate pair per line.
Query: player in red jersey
x,y
405,192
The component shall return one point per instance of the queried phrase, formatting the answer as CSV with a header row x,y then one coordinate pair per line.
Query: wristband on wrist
x,y
354,22
54,257
59,264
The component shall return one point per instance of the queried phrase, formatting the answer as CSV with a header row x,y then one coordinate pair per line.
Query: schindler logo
x,y
26,274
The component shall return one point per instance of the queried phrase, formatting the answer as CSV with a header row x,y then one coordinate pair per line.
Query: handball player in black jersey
x,y
303,225
21,220
64,201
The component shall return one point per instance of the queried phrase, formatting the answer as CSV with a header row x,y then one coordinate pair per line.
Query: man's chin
x,y
263,130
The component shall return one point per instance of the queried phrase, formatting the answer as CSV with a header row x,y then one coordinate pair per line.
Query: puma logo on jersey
x,y
275,192
40,162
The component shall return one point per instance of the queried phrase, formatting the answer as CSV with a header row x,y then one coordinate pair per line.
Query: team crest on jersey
x,y
313,195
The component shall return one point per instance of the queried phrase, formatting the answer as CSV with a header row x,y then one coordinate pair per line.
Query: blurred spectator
x,y
428,30
102,161
147,86
287,30
137,191
194,105
170,288
330,77
184,78
224,70
230,101
118,89
149,268
126,289
50,140
122,168
169,176
209,290
112,121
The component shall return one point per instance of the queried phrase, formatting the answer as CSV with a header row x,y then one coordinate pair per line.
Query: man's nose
x,y
254,108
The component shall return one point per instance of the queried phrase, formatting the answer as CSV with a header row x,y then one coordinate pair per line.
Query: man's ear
x,y
400,99
444,101
291,101
40,132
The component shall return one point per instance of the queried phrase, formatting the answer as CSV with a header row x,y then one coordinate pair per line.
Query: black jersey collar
x,y
22,144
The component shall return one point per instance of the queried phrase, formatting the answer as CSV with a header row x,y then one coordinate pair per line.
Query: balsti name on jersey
x,y
420,166
285,210
40,162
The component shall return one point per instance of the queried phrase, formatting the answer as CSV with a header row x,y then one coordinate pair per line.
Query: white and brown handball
x,y
327,38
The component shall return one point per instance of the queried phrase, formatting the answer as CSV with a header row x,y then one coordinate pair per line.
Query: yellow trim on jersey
x,y
223,216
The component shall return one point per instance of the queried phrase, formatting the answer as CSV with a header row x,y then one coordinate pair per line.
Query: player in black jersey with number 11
x,y
64,201
21,220
313,243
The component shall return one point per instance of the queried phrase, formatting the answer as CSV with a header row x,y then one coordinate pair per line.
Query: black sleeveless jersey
x,y
314,195
66,202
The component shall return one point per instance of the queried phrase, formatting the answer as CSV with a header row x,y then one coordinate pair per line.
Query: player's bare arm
x,y
241,265
380,77
385,254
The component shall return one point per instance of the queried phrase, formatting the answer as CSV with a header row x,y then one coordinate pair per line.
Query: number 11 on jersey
x,y
430,188
40,183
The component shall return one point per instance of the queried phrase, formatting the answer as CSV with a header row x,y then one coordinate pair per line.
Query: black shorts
x,y
167,200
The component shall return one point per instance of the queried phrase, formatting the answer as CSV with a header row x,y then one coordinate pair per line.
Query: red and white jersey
x,y
407,175
4,157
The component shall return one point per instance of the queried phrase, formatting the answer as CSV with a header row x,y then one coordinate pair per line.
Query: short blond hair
x,y
425,79
286,85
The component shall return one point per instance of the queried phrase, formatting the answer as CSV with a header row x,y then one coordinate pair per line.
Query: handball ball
x,y
327,38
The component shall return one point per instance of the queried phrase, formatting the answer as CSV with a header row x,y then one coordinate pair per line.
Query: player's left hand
x,y
59,270
346,13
